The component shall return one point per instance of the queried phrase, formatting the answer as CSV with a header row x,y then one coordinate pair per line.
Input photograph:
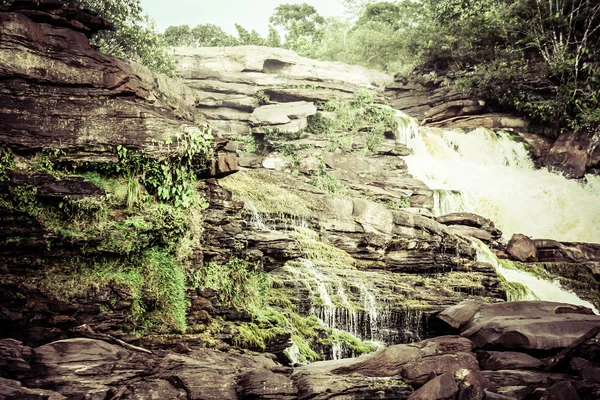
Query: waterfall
x,y
541,289
490,174
348,305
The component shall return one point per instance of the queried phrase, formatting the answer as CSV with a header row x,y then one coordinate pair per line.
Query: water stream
x,y
490,174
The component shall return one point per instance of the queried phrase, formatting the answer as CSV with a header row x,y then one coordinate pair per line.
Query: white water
x,y
542,289
489,174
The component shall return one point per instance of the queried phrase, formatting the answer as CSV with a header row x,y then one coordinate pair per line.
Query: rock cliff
x,y
139,260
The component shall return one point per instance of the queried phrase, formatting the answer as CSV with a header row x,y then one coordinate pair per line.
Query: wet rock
x,y
442,387
472,220
574,153
560,391
527,325
522,248
496,360
458,315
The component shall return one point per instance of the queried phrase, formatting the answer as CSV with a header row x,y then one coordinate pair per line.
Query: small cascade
x,y
347,305
540,289
447,201
490,174
265,222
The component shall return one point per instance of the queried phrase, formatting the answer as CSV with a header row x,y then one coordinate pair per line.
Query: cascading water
x,y
360,314
540,289
489,174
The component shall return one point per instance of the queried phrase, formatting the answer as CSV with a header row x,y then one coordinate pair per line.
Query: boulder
x,y
458,315
522,248
530,325
560,391
472,220
574,153
228,63
554,251
496,360
442,387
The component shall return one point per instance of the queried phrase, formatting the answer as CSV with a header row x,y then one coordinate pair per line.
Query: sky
x,y
251,14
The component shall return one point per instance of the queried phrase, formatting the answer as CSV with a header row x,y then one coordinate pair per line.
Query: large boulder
x,y
522,248
529,325
576,153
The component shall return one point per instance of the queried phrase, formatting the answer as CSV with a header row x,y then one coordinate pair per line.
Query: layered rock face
x,y
122,221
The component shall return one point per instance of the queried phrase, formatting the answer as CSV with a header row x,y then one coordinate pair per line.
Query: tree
x,y
179,36
246,38
210,35
303,25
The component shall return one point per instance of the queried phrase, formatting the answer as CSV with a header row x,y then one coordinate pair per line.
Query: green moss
x,y
320,252
155,282
353,343
239,284
516,291
253,336
7,162
305,352
267,197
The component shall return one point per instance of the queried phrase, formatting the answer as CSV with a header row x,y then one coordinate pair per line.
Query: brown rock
x,y
527,325
443,387
522,248
14,390
496,360
458,315
572,152
224,164
560,391
264,384
505,378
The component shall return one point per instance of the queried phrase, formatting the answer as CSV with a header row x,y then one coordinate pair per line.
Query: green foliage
x,y
134,38
358,117
262,97
207,35
172,179
303,25
7,162
239,284
325,180
155,282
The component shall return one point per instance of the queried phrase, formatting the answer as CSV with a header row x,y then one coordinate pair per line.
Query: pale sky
x,y
251,14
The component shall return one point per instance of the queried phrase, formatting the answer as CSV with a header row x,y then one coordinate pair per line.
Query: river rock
x,y
574,153
530,325
561,391
496,360
442,387
554,251
458,315
522,248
